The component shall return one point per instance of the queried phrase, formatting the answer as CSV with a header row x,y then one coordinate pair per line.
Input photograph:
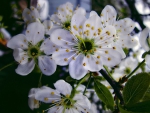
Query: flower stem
x,y
106,68
40,83
74,90
87,83
136,69
6,66
113,84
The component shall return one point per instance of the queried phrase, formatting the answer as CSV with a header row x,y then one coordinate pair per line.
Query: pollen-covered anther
x,y
114,47
94,34
65,59
101,38
67,50
75,27
84,64
46,99
98,57
99,30
109,58
59,38
28,12
92,27
80,26
48,27
57,49
107,32
80,33
101,14
53,101
106,52
97,62
73,58
88,25
27,31
88,56
52,93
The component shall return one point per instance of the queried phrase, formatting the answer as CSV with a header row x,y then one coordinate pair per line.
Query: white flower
x,y
32,102
145,43
126,67
62,18
86,48
60,101
31,49
123,27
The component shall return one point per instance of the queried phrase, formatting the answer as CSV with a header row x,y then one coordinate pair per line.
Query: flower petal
x,y
65,90
54,18
76,67
143,39
77,24
18,41
48,47
47,65
124,26
26,15
25,69
147,59
34,13
62,38
108,15
35,32
48,25
63,56
93,13
110,57
92,63
47,95
20,56
80,10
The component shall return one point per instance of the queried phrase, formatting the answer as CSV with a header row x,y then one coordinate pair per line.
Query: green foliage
x,y
104,94
136,88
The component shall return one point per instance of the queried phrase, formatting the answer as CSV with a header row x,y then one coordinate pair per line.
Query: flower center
x,y
127,70
33,52
86,46
67,102
66,25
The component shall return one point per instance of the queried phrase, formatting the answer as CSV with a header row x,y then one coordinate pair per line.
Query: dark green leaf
x,y
122,110
136,88
104,94
140,107
147,95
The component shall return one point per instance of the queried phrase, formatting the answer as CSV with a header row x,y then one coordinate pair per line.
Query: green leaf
x,y
122,110
104,94
1,18
136,88
147,95
140,107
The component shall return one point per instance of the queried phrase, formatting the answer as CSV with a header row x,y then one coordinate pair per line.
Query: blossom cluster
x,y
84,43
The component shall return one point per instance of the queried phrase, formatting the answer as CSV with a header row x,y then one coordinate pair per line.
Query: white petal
x,y
27,16
92,27
62,38
65,90
92,63
110,57
80,10
124,26
33,103
20,56
35,32
77,24
18,41
63,56
47,95
108,15
54,18
93,13
25,69
147,59
34,13
33,91
48,47
76,68
48,26
143,39
47,65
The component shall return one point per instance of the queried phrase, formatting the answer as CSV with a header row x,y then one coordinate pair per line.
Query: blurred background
x,y
14,88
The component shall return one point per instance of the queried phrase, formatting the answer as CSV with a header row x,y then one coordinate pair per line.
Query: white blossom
x,y
86,47
31,49
62,19
123,28
60,100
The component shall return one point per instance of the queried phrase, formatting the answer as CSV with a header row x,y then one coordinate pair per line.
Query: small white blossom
x,y
62,19
31,49
86,48
123,28
60,101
